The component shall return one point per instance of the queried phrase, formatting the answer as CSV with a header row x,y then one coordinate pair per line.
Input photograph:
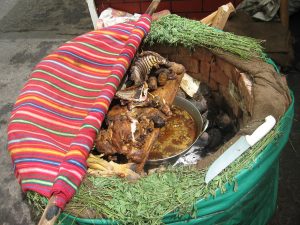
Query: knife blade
x,y
238,148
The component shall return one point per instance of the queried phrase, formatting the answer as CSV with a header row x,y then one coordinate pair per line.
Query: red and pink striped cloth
x,y
61,108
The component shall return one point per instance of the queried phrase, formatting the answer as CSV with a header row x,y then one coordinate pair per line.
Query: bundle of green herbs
x,y
149,199
174,30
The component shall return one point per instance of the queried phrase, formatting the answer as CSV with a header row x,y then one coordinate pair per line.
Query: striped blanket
x,y
60,109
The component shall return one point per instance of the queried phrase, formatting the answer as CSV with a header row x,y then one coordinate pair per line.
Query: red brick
x,y
128,7
100,6
202,54
184,51
196,76
213,5
226,67
111,1
190,64
213,85
163,5
197,15
229,70
217,74
180,14
205,70
164,50
230,100
186,6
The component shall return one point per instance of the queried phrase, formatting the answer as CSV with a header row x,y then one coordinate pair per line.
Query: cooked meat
x,y
127,131
163,78
140,112
152,83
158,121
143,64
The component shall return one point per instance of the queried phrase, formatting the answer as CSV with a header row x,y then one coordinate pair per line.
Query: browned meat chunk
x,y
127,131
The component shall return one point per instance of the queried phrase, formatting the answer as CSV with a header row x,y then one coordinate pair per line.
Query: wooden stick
x,y
284,14
152,7
51,213
209,19
219,17
93,12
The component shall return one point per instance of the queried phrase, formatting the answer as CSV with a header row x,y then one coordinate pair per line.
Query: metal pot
x,y
195,114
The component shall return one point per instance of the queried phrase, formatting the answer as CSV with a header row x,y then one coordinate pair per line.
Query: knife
x,y
238,148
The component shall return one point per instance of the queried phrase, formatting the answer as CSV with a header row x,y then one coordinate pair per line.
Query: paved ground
x,y
24,40
31,29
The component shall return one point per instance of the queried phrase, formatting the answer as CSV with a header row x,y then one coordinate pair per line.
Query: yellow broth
x,y
179,133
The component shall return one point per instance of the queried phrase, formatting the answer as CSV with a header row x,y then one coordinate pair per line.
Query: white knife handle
x,y
261,131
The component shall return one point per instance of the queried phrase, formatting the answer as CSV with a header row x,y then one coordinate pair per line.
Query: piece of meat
x,y
143,64
127,131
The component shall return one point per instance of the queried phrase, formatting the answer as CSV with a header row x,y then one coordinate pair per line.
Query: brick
x,y
226,67
190,64
162,49
214,86
213,5
162,5
230,100
205,65
197,15
182,14
202,54
229,70
197,76
217,74
205,70
101,5
128,7
118,1
183,51
186,6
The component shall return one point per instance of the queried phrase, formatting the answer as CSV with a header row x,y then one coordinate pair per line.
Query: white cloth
x,y
110,17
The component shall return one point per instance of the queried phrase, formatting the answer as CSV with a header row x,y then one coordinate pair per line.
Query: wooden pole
x,y
93,12
51,213
284,14
152,7
219,17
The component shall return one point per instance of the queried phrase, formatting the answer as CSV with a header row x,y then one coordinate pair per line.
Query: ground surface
x,y
31,29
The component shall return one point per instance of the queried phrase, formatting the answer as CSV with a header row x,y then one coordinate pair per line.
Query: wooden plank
x,y
219,18
284,14
93,12
222,16
50,214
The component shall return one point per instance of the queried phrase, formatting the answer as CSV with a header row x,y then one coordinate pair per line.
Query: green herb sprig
x,y
175,30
